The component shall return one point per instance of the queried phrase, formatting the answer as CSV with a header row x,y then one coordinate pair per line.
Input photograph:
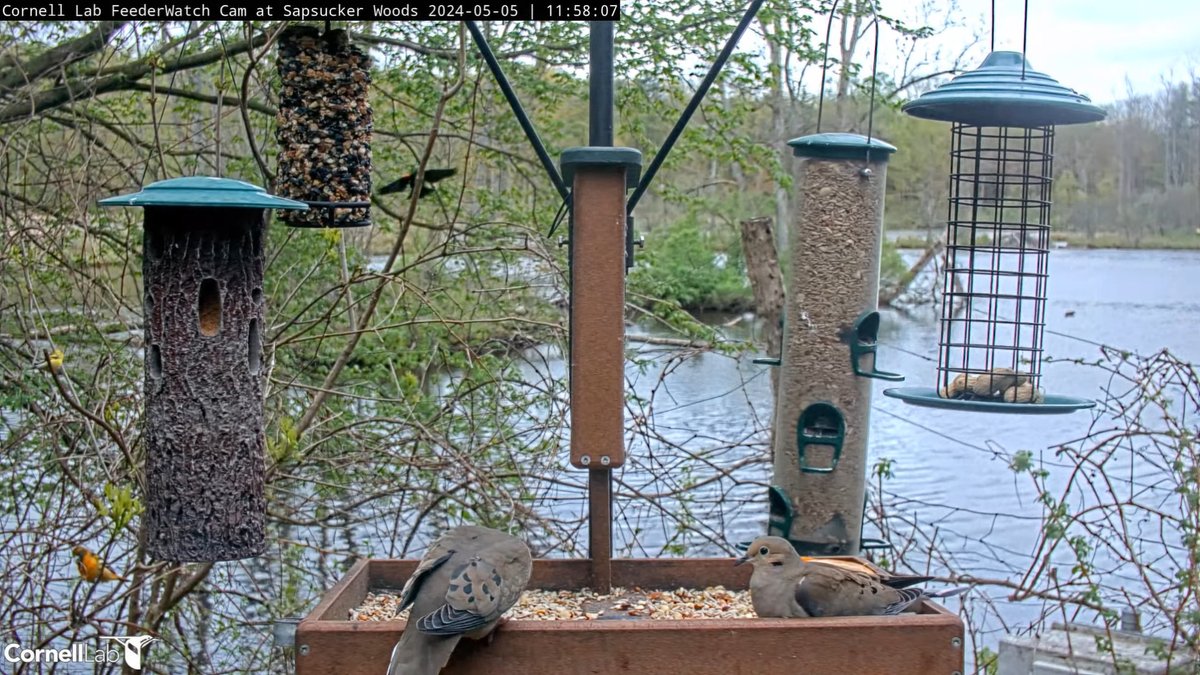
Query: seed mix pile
x,y
585,605
324,125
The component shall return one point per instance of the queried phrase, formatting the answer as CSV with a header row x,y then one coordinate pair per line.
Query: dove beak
x,y
741,561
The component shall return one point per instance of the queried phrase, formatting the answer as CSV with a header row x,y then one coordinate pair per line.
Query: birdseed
x,y
715,602
323,126
836,239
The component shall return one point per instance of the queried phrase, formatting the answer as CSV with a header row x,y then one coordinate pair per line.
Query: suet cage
x,y
993,310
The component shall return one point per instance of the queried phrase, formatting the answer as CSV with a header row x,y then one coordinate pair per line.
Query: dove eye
x,y
763,550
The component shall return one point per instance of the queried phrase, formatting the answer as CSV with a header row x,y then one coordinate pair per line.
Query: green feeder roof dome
x,y
996,95
838,145
204,191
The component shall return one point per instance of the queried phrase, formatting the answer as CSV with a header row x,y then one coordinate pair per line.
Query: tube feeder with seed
x,y
990,347
930,640
830,326
324,127
203,311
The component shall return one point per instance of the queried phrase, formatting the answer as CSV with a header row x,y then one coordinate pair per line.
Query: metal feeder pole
x,y
600,175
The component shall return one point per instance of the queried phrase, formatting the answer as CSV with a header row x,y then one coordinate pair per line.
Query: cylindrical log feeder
x,y
600,177
824,400
203,304
324,127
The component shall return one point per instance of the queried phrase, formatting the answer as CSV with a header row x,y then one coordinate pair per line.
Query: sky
x,y
1100,48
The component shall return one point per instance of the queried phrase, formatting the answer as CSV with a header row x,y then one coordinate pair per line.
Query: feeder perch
x,y
820,426
203,308
781,514
990,347
822,413
863,342
324,127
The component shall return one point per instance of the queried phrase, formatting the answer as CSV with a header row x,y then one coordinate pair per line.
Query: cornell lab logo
x,y
131,654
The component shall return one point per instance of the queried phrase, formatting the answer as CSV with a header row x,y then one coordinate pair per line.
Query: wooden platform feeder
x,y
327,641
203,270
929,642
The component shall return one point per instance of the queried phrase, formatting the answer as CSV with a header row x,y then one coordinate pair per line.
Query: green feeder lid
x,y
996,94
630,158
841,146
204,191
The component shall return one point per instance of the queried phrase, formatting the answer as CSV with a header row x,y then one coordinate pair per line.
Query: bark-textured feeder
x,y
324,127
203,270
830,326
997,235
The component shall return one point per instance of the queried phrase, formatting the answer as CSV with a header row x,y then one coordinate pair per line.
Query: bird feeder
x,y
323,127
1003,116
203,314
931,641
830,329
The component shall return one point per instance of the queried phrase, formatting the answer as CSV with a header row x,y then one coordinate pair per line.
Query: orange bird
x,y
91,568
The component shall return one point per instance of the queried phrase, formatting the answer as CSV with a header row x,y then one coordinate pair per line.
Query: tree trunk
x,y
766,280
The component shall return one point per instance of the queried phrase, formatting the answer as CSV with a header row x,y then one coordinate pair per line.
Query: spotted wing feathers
x,y
434,559
474,599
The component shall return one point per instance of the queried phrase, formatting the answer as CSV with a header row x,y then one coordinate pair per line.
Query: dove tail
x,y
950,592
419,654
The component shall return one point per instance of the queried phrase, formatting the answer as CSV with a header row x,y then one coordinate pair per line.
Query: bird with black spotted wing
x,y
465,582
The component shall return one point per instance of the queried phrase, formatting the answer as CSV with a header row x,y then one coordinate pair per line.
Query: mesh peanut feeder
x,y
990,347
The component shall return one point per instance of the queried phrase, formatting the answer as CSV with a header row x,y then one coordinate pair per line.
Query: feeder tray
x,y
927,641
329,215
1053,404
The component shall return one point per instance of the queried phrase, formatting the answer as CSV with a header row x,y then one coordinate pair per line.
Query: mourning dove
x,y
784,585
468,578
889,579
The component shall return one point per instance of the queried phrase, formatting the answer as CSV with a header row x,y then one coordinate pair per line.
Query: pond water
x,y
695,482
947,472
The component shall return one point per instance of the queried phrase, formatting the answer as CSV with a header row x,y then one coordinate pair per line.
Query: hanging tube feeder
x,y
323,127
205,451
997,236
822,414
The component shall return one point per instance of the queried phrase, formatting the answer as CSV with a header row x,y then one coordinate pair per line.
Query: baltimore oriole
x,y
91,568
